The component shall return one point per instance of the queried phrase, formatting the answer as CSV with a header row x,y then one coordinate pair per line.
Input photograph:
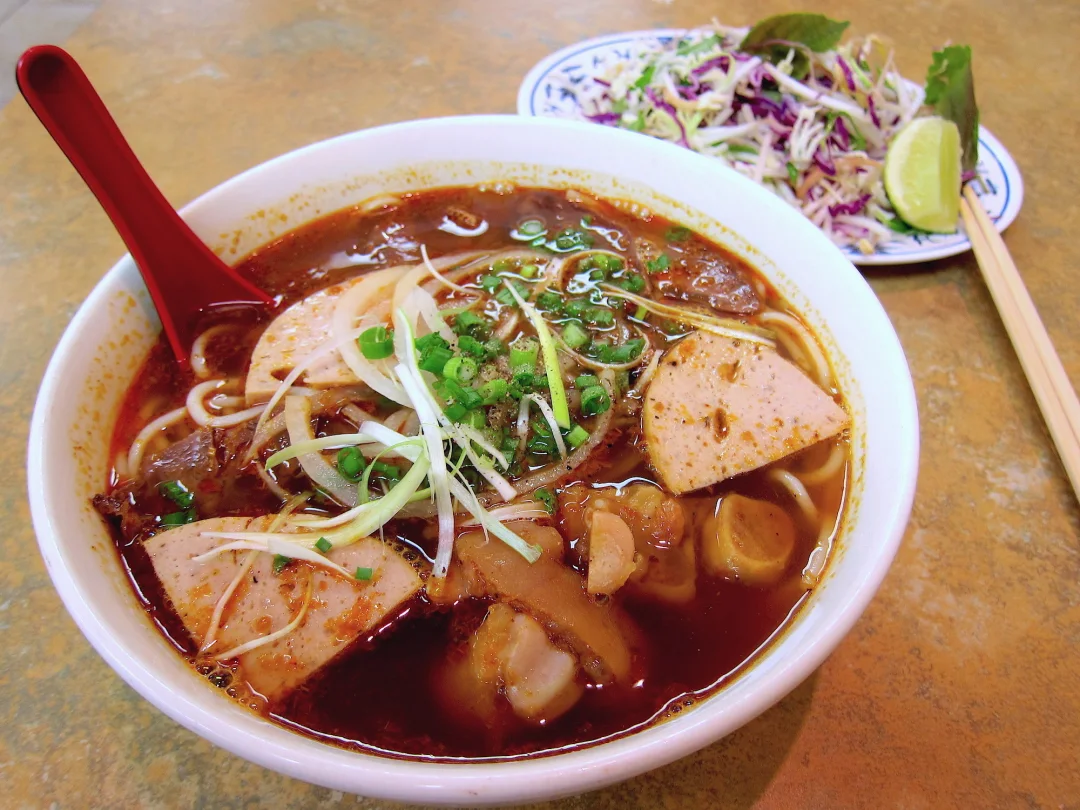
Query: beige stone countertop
x,y
959,687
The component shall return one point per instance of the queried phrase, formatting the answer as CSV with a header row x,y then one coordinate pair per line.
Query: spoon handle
x,y
183,275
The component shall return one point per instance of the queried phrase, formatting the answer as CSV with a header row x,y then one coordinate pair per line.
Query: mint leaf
x,y
950,90
773,37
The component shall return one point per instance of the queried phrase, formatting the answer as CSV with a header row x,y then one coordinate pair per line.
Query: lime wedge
x,y
922,174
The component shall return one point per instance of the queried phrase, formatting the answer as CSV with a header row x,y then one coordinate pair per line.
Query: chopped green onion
x,y
387,471
529,270
594,400
470,398
459,368
494,391
430,341
456,412
547,498
599,316
626,352
179,518
658,265
280,562
350,463
633,283
469,323
677,233
490,283
792,174
435,360
376,343
574,335
475,419
364,574
531,227
493,347
575,308
524,352
506,299
470,345
641,314
577,437
176,492
324,545
549,301
502,266
584,381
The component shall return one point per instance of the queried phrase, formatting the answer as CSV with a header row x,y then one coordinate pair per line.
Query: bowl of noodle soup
x,y
534,393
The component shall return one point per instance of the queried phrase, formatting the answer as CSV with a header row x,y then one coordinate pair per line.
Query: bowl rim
x,y
544,777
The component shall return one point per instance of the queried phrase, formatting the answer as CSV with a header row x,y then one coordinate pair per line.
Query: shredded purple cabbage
x,y
848,76
722,62
843,136
601,82
825,164
849,208
873,112
605,118
968,176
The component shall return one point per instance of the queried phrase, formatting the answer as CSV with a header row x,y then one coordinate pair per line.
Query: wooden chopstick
x,y
1049,382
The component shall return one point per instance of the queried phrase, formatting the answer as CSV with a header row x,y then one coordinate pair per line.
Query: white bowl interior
x,y
111,333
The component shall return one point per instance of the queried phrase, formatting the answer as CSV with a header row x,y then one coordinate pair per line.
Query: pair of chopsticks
x,y
1049,382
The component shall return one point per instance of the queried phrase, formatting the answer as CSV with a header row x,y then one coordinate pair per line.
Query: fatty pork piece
x,y
655,560
718,407
511,654
551,592
340,610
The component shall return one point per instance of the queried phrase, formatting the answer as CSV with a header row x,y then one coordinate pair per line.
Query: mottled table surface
x,y
960,686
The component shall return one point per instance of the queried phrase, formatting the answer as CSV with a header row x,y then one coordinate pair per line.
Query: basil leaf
x,y
950,90
773,37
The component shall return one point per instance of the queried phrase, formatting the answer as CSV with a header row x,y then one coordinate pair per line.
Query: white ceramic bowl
x,y
101,349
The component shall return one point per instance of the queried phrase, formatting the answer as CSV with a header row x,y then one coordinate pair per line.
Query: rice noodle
x,y
198,350
138,447
203,418
434,271
831,466
815,563
271,483
298,424
797,491
822,372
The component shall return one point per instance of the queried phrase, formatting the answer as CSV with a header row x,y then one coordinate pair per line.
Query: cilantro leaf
x,y
950,90
773,37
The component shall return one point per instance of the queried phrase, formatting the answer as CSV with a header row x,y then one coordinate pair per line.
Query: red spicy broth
x,y
388,690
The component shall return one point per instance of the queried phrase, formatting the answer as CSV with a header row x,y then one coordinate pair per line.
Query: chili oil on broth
x,y
382,694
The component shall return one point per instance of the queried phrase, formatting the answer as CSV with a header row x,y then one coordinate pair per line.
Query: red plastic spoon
x,y
183,275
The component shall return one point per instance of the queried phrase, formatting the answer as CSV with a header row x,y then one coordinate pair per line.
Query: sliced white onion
x,y
298,424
